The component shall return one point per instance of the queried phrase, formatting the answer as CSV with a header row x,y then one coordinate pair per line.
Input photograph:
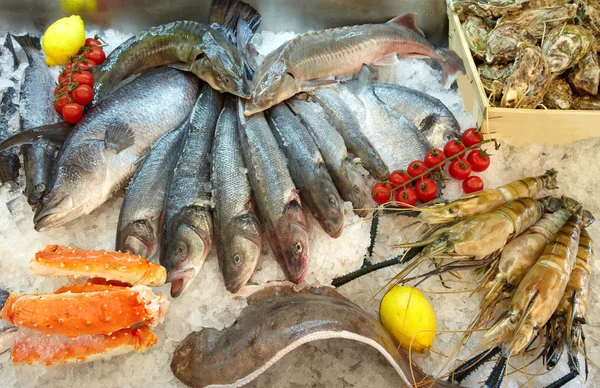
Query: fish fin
x,y
388,60
362,79
9,45
244,35
451,63
409,21
29,43
119,137
182,66
57,132
307,86
228,13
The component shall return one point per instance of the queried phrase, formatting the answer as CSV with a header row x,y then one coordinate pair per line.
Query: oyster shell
x,y
566,45
585,76
559,95
586,103
485,8
501,46
546,3
588,15
529,80
539,21
476,32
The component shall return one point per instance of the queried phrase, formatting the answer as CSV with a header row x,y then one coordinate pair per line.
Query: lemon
x,y
408,316
76,6
63,39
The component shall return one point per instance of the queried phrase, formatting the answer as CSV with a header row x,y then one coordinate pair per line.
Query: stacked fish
x,y
534,53
210,165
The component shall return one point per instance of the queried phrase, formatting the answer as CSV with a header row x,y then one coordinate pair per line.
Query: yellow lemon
x,y
77,6
408,316
63,39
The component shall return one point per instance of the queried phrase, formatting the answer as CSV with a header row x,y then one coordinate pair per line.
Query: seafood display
x,y
566,32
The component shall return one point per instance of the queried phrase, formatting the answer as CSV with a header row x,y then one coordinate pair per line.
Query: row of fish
x,y
534,53
204,169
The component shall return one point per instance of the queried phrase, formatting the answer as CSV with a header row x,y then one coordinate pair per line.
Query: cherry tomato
x,y
459,169
381,192
415,168
426,190
479,160
91,42
83,94
406,197
82,66
62,89
434,158
472,184
60,102
471,136
72,112
64,75
453,147
96,54
398,177
84,78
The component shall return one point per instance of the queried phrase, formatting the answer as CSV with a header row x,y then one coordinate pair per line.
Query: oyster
x,y
485,8
476,32
586,103
559,95
493,78
501,46
588,15
529,80
540,21
585,76
546,3
566,45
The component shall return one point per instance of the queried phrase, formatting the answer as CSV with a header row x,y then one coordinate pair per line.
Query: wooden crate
x,y
517,126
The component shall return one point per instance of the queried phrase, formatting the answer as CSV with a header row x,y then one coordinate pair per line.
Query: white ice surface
x,y
207,304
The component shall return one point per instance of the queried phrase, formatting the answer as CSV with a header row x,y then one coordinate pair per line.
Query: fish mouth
x,y
181,278
45,219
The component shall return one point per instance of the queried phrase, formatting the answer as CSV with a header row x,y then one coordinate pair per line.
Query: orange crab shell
x,y
36,348
87,309
56,260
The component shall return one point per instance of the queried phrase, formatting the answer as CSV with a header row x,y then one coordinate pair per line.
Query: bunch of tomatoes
x,y
399,185
75,83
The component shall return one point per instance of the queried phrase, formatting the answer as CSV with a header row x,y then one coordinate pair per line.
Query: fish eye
x,y
181,249
237,259
356,189
332,200
298,247
40,187
219,78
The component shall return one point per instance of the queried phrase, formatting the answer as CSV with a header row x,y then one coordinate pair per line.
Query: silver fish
x,y
342,118
308,169
37,109
101,153
138,230
188,224
9,159
342,166
276,196
309,60
238,234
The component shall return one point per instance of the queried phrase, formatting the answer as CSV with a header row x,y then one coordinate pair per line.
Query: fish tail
x,y
451,63
9,45
29,43
226,13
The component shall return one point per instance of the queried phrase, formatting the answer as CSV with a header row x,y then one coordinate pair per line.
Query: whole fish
x,y
307,61
427,113
188,223
37,109
238,234
204,51
138,230
9,159
341,117
276,196
102,152
308,169
342,166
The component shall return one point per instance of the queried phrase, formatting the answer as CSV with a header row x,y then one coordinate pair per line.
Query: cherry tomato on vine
x,y
84,78
60,102
415,168
83,94
479,160
406,197
398,177
434,158
96,54
472,184
381,192
453,147
91,42
72,112
64,75
459,169
426,190
471,136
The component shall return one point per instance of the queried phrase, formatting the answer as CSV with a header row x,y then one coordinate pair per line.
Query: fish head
x,y
331,214
270,86
359,195
188,247
138,238
240,254
291,248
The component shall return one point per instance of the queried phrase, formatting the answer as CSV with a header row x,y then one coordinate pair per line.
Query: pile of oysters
x,y
535,53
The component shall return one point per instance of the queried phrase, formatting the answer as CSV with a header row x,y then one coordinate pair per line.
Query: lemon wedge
x,y
63,39
408,316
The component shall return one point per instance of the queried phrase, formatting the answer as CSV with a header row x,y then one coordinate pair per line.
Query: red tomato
x,y
61,89
426,190
459,169
471,136
83,94
406,197
64,75
72,112
415,168
82,66
472,184
434,158
84,78
96,54
91,42
453,147
398,177
381,192
60,102
479,160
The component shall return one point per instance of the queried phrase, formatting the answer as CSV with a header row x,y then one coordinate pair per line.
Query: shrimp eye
x,y
298,247
237,259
